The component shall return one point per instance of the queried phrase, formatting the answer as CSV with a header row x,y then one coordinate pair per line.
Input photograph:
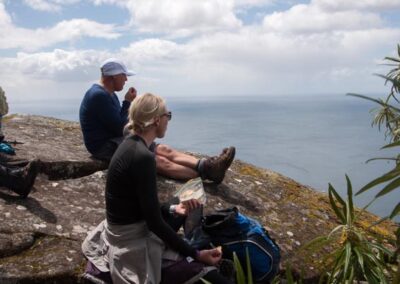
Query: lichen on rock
x,y
40,236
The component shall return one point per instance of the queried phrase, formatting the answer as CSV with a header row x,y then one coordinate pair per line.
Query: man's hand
x,y
185,207
130,94
210,256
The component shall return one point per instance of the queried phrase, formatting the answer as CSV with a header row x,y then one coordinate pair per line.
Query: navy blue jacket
x,y
101,117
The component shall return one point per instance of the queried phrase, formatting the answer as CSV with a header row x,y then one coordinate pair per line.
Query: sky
x,y
52,49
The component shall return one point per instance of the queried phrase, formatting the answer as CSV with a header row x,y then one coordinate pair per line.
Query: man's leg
x,y
173,170
178,165
177,157
106,152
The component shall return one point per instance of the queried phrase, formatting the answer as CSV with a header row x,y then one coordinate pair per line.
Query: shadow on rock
x,y
32,205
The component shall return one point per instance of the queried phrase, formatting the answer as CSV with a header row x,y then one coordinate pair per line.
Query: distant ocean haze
x,y
314,140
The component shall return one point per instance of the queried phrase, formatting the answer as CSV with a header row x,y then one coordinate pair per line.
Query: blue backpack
x,y
238,233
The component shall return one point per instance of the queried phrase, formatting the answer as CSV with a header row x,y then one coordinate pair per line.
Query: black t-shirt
x,y
131,193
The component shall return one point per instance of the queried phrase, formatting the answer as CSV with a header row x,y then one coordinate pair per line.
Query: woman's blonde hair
x,y
144,110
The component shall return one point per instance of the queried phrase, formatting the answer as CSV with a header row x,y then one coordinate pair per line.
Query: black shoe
x,y
227,269
23,179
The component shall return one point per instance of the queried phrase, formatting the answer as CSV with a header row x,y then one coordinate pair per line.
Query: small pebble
x,y
78,229
7,214
258,183
54,184
290,234
39,226
20,207
238,180
59,227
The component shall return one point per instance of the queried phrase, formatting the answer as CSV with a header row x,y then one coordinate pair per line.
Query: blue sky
x,y
52,49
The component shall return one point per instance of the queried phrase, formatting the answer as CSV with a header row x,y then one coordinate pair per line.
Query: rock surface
x,y
40,236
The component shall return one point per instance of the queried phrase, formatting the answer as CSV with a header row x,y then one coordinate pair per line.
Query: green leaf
x,y
249,273
388,188
337,196
240,278
366,98
395,211
392,59
335,230
384,178
315,243
335,208
205,281
350,198
347,260
394,144
360,258
288,274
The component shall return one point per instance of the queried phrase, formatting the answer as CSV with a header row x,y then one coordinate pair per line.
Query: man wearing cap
x,y
103,119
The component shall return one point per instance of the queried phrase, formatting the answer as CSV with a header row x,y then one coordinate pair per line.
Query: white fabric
x,y
131,253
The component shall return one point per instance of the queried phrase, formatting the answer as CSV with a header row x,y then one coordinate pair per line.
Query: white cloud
x,y
179,17
58,65
311,18
34,39
374,5
49,5
254,3
278,57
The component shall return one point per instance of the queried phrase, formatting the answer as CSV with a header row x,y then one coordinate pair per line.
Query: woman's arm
x,y
150,207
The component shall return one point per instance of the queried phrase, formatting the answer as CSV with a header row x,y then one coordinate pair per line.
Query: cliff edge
x,y
40,236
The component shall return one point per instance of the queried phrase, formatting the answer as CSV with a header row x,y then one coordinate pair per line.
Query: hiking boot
x,y
215,167
20,180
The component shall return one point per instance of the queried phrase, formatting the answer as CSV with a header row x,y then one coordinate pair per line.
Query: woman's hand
x,y
185,207
210,256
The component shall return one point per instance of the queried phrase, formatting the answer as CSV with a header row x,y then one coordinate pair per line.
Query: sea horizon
x,y
314,140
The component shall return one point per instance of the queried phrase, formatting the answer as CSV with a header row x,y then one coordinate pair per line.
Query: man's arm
x,y
108,114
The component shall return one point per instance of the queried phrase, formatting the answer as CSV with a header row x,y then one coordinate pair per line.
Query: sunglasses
x,y
168,115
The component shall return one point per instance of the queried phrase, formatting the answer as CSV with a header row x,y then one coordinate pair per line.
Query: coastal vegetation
x,y
357,253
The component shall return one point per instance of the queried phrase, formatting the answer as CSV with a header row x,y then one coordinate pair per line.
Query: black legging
x,y
176,222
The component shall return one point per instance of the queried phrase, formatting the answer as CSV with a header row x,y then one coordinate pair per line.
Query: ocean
x,y
314,140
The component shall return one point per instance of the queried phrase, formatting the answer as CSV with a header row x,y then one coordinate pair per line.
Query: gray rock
x,y
40,236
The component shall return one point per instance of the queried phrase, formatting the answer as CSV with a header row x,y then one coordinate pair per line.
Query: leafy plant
x,y
353,256
240,275
387,114
289,277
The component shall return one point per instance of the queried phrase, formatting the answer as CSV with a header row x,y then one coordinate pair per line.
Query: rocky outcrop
x,y
40,236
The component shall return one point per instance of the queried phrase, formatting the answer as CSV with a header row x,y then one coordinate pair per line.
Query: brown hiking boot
x,y
215,167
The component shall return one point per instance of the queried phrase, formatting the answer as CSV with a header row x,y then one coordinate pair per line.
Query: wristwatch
x,y
172,209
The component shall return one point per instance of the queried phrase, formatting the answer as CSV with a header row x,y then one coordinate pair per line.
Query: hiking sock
x,y
200,167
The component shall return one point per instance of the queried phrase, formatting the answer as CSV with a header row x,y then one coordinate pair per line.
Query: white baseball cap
x,y
113,66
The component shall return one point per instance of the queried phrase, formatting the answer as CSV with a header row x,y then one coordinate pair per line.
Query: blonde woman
x,y
138,240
